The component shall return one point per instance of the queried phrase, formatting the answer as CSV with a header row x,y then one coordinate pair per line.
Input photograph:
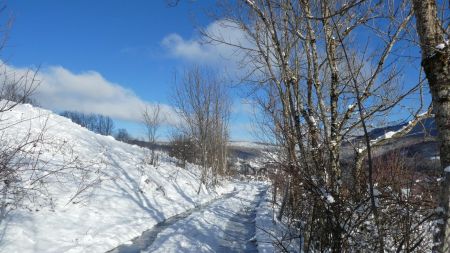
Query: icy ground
x,y
223,225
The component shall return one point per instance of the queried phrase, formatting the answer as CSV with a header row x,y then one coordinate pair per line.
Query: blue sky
x,y
114,57
122,46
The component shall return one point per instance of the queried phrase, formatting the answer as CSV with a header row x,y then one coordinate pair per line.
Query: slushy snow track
x,y
226,224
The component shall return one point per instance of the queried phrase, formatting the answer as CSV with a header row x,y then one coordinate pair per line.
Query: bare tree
x,y
204,106
123,135
323,73
152,121
433,28
105,125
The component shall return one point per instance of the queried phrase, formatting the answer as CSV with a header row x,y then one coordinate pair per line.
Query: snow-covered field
x,y
125,195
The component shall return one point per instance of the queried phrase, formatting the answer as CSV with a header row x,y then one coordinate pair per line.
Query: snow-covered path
x,y
226,224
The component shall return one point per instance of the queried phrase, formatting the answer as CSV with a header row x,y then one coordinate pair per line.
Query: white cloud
x,y
196,49
89,92
191,50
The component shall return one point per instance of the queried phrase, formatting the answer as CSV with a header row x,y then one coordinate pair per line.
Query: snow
x,y
313,120
251,2
224,226
406,191
440,46
269,230
447,169
265,226
128,197
422,114
376,192
389,135
330,199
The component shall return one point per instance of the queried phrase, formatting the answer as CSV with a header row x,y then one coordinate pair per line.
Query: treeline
x,y
97,123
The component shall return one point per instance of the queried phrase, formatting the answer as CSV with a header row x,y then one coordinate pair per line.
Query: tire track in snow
x,y
225,224
240,231
147,237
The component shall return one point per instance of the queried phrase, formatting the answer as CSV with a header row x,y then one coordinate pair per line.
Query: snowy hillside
x,y
96,193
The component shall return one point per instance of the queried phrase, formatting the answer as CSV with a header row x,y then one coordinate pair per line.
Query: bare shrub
x,y
30,178
34,165
405,197
183,148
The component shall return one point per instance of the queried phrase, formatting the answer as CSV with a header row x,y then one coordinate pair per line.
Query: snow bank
x,y
127,197
269,231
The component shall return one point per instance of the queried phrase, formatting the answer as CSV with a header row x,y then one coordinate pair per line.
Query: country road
x,y
226,224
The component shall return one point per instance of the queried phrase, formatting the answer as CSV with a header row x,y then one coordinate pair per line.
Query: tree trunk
x,y
437,69
336,247
284,201
435,61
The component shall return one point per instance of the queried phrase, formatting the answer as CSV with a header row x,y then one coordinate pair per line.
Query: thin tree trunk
x,y
284,201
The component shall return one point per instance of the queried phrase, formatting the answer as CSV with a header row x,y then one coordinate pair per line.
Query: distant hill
x,y
424,128
419,147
